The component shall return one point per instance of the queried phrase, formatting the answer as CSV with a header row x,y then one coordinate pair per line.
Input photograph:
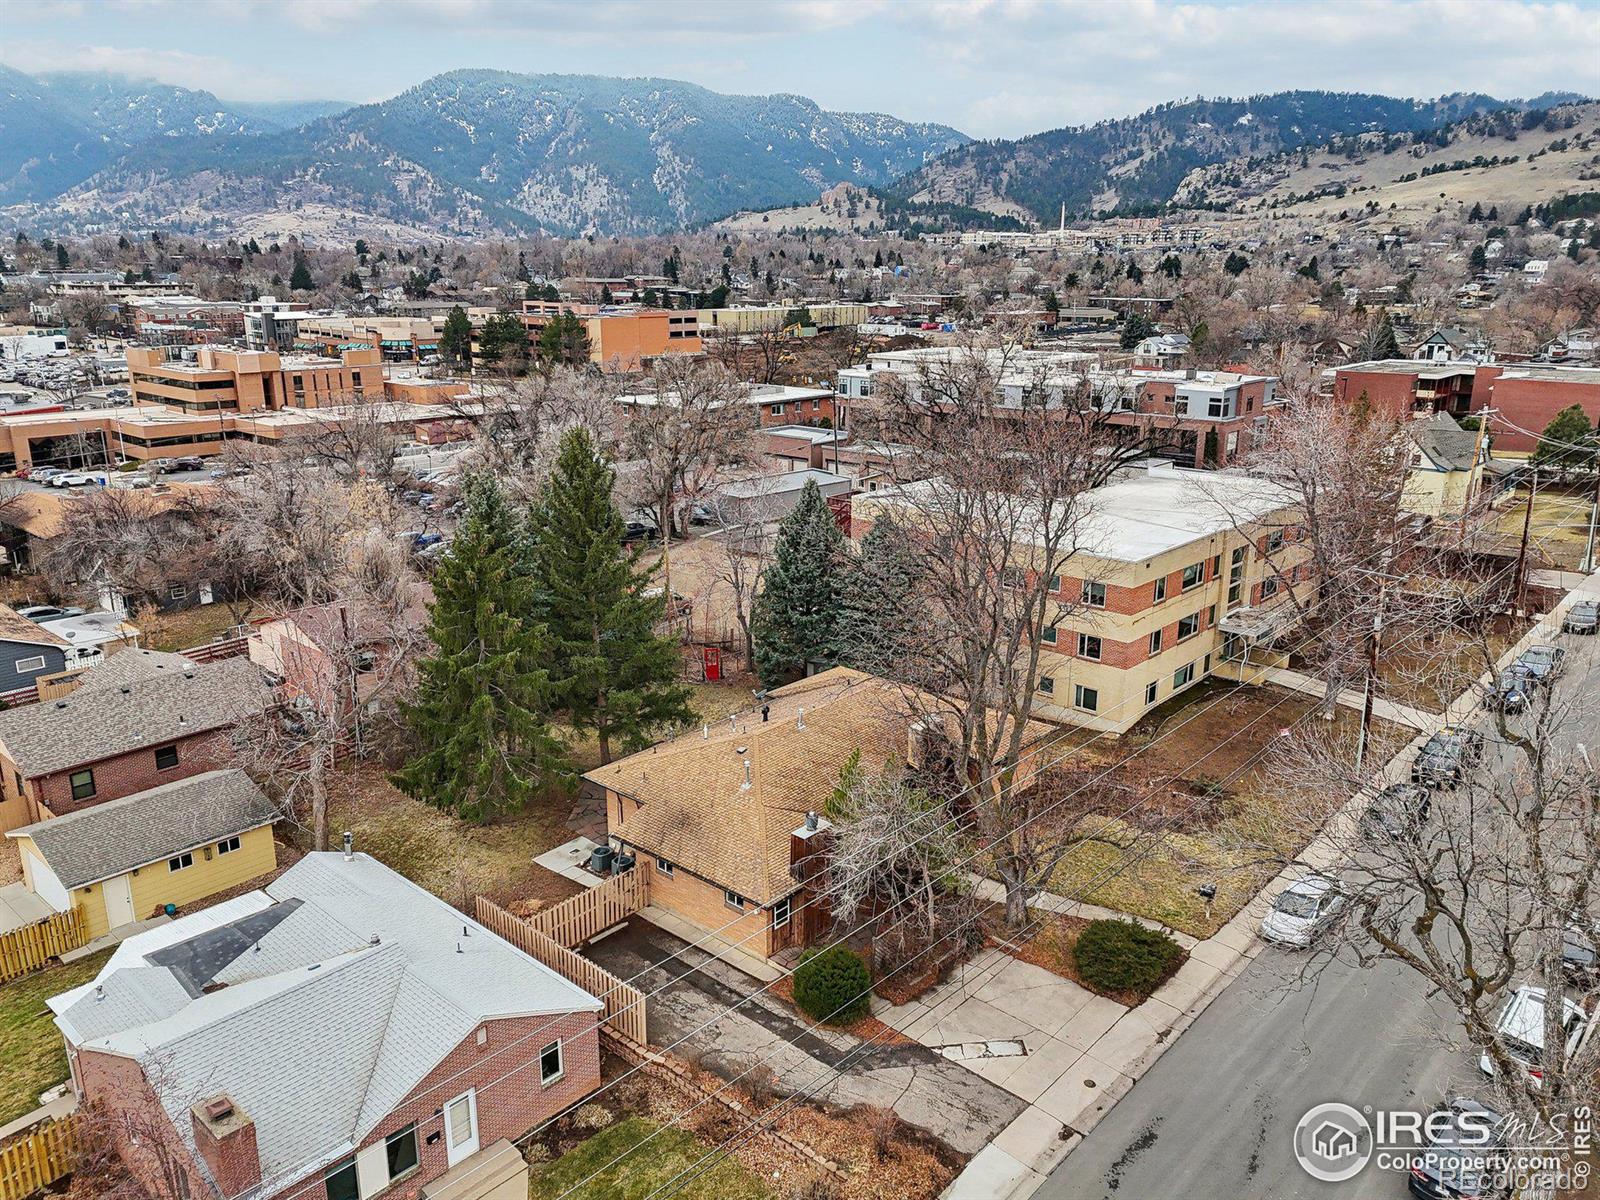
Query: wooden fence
x,y
29,948
577,919
624,1011
212,651
34,1160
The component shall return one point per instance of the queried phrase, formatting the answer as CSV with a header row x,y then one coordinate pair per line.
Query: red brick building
x,y
138,720
340,1034
1525,396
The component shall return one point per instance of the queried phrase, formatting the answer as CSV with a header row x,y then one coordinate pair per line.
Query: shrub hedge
x,y
1123,956
833,985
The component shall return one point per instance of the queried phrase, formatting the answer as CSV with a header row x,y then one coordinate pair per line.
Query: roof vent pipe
x,y
800,721
745,786
349,845
811,821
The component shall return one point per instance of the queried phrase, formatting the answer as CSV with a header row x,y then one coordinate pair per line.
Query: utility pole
x,y
1477,458
1522,553
1594,515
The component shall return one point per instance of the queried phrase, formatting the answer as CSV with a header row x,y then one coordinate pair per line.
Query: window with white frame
x,y
228,845
1049,635
1183,676
781,912
1155,641
733,899
550,1067
1086,698
1089,646
1047,685
181,862
25,665
1274,540
1094,594
1160,590
1151,691
1188,626
663,867
1194,575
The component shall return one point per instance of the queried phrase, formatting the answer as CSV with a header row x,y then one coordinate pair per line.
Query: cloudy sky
x,y
991,68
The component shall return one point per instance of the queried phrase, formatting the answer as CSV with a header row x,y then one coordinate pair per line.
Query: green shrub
x,y
1123,956
833,986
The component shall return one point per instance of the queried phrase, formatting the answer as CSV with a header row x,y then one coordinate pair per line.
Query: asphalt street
x,y
1215,1115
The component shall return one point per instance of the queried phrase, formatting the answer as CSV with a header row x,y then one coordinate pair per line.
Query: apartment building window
x,y
25,665
733,899
1049,635
663,867
1047,685
1055,583
340,1180
550,1068
1086,698
181,862
1211,616
82,784
781,912
1013,577
1094,594
1151,691
1183,676
776,410
1188,626
1155,641
166,757
1274,540
1160,590
228,845
1194,575
1206,668
1269,588
1235,575
1216,565
1089,646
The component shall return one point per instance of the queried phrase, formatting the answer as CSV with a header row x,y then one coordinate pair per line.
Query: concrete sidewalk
x,y
1388,710
1020,1158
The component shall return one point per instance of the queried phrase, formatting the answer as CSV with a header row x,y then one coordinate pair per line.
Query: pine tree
x,y
455,341
1568,440
610,671
880,602
1479,259
479,725
564,339
300,278
796,616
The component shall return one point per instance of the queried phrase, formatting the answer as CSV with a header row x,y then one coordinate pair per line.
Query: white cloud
x,y
231,80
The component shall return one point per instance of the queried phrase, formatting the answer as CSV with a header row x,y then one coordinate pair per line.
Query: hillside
x,y
1141,161
56,130
1508,159
472,152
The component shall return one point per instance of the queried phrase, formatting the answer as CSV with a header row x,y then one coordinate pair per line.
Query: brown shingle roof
x,y
14,627
695,810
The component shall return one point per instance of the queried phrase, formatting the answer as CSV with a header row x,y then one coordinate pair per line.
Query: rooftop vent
x,y
61,703
125,689
745,786
800,721
811,821
219,1107
349,845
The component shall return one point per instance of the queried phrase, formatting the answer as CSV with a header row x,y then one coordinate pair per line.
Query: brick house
x,y
728,816
138,720
338,1034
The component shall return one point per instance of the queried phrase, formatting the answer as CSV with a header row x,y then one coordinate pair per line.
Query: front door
x,y
461,1127
118,893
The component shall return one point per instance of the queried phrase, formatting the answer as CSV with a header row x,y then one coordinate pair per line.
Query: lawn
x,y
1430,671
639,1175
185,627
1559,531
1202,805
30,1044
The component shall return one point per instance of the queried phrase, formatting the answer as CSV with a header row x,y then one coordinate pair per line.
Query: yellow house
x,y
1447,466
127,860
1175,574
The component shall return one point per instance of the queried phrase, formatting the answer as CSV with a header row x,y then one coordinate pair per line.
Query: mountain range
x,y
464,152
478,152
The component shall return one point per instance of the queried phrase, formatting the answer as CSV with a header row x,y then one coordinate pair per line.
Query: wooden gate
x,y
36,1159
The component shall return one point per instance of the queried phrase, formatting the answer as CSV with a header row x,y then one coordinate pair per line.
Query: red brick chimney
x,y
226,1138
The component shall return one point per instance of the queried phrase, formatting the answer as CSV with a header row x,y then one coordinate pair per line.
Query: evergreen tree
x,y
300,278
61,256
1135,329
564,339
605,294
880,602
455,342
483,743
1479,259
796,616
1052,303
503,342
610,671
1568,440
1235,263
1476,214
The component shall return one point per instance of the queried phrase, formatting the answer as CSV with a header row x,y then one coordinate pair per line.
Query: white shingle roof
x,y
317,1004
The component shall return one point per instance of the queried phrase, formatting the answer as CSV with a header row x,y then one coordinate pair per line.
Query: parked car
x,y
1447,756
160,466
39,613
1462,1135
1520,1030
1542,662
1399,812
1302,910
43,474
68,479
189,462
1582,617
1579,958
1511,690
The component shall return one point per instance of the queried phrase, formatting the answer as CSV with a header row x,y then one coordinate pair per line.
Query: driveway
x,y
960,1108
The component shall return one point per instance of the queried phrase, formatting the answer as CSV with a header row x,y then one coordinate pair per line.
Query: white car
x,y
71,479
1520,1028
1302,910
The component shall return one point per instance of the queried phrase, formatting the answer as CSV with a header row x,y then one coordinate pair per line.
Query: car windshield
x,y
1539,656
1522,1051
1512,681
1297,904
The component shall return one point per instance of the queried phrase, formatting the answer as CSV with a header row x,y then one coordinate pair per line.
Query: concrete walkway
x,y
1020,1158
1388,710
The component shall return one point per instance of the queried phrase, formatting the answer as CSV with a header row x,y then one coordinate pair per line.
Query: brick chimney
x,y
226,1138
